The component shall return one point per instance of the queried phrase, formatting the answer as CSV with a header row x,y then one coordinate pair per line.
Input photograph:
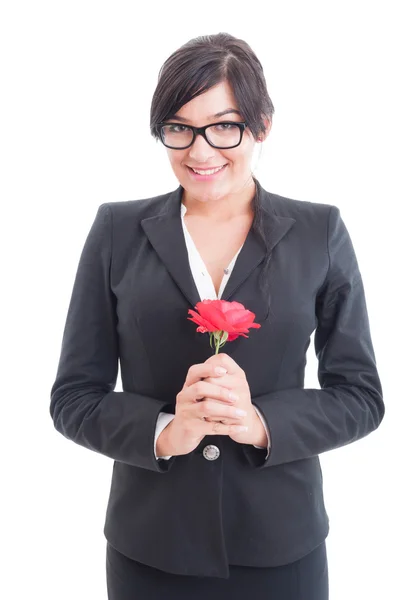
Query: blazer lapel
x,y
166,235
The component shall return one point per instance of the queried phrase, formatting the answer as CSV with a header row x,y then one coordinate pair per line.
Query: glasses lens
x,y
177,136
223,135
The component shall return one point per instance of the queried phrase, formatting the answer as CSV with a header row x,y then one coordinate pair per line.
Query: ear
x,y
263,136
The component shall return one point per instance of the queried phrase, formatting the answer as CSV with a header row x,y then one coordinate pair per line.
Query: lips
x,y
207,168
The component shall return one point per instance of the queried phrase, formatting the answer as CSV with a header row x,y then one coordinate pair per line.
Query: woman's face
x,y
200,112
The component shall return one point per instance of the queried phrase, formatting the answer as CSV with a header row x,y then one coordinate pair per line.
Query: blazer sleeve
x,y
84,406
304,423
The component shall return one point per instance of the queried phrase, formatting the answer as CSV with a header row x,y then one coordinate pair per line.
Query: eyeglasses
x,y
227,134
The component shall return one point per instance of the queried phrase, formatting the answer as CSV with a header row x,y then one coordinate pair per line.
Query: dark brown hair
x,y
200,64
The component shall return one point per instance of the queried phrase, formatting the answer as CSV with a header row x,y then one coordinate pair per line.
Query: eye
x,y
176,128
224,126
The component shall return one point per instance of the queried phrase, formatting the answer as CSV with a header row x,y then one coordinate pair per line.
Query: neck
x,y
221,208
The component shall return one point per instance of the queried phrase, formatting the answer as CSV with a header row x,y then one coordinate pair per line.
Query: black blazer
x,y
130,300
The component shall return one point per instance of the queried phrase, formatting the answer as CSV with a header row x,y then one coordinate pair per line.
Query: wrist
x,y
260,437
163,446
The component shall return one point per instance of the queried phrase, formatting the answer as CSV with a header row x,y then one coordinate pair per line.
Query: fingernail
x,y
241,428
220,370
240,413
233,396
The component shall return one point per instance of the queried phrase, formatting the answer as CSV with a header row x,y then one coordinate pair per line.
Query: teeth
x,y
210,172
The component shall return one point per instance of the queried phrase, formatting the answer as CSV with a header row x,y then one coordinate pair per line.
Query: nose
x,y
201,151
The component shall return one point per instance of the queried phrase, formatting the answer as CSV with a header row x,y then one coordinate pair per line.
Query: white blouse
x,y
205,287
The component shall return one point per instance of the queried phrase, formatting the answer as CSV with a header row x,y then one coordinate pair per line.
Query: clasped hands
x,y
235,380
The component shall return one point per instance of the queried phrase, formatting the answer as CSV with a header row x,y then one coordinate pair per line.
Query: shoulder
x,y
311,218
123,218
299,209
135,209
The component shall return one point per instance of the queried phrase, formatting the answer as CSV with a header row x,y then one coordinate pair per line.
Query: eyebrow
x,y
216,116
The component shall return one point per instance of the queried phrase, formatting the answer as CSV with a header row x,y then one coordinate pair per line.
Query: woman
x,y
206,502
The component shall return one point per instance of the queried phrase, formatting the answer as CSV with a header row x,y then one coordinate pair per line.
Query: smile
x,y
207,171
206,174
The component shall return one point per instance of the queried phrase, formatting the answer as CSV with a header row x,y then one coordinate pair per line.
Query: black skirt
x,y
304,579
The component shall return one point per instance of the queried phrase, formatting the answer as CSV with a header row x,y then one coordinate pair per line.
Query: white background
x,y
77,80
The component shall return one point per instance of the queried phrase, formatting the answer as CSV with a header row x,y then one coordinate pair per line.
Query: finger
x,y
217,411
214,428
224,360
201,371
234,421
202,390
227,381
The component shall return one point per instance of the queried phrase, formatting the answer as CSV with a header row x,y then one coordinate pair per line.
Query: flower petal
x,y
199,320
213,314
221,315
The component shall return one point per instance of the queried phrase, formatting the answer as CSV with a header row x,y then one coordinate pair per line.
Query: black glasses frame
x,y
202,131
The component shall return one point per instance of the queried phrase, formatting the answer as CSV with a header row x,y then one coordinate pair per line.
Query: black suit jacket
x,y
130,302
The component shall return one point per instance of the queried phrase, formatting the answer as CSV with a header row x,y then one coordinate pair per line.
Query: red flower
x,y
225,321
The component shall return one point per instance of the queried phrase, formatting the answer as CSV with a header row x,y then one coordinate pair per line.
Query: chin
x,y
205,195
213,188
